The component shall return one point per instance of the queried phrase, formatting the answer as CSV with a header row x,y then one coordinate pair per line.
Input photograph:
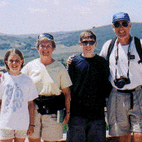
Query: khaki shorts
x,y
10,134
121,119
47,127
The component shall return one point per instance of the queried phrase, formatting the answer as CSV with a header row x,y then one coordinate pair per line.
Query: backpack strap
x,y
137,44
110,48
138,48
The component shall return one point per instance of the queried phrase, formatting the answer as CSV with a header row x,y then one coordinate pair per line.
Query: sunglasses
x,y
124,24
88,42
46,35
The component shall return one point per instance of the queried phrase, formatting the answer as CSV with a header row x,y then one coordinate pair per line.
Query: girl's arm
x,y
31,108
66,92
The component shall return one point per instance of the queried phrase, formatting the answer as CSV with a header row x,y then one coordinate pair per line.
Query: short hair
x,y
45,39
13,51
87,34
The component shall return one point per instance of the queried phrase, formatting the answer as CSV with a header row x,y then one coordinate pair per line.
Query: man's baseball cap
x,y
120,16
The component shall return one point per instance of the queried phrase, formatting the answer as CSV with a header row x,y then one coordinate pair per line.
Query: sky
x,y
37,16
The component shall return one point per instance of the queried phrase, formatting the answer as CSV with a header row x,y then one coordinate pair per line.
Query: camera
x,y
120,82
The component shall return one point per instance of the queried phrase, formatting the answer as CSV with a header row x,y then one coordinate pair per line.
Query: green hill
x,y
67,42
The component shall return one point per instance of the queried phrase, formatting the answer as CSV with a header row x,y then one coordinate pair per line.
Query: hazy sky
x,y
36,16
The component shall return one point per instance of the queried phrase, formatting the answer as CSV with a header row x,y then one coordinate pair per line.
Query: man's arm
x,y
104,49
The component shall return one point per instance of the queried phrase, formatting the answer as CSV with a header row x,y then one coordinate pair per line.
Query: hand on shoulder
x,y
69,60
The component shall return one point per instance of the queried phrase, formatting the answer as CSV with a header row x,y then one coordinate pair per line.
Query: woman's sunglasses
x,y
124,24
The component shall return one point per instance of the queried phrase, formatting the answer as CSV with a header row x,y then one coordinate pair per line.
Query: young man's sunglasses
x,y
88,42
124,24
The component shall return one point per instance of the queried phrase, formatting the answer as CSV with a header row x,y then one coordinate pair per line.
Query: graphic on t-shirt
x,y
14,102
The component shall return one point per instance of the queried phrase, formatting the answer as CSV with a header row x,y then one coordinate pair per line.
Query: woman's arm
x,y
31,108
66,92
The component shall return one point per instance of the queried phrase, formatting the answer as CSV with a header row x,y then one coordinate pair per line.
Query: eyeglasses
x,y
88,42
124,24
45,47
16,61
46,35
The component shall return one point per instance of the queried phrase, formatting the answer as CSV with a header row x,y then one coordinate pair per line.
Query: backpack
x,y
137,44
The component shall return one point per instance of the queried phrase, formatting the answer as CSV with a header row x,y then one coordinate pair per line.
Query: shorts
x,y
122,120
47,127
10,134
82,130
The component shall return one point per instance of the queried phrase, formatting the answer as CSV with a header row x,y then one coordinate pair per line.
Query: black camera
x,y
120,82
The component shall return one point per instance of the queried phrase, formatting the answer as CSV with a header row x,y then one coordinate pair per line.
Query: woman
x,y
50,78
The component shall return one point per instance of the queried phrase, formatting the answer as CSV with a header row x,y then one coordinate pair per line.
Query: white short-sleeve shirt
x,y
16,91
135,68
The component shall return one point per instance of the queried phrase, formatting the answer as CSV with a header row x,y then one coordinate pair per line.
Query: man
x,y
125,101
89,74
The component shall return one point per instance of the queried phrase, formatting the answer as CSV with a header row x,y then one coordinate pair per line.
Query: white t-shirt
x,y
16,91
50,79
135,69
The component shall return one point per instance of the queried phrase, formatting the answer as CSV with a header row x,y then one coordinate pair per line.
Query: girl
x,y
17,92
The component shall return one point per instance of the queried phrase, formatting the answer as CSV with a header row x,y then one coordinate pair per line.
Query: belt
x,y
126,91
43,96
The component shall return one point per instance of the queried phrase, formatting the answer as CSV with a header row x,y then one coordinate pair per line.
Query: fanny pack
x,y
50,104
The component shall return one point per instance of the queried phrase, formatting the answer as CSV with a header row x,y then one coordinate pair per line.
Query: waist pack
x,y
50,104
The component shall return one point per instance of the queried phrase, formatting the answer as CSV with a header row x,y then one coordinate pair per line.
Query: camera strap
x,y
128,55
116,58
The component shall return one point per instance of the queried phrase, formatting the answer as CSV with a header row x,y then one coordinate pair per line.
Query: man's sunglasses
x,y
88,42
124,24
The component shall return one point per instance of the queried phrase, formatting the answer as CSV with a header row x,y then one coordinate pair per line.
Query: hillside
x,y
67,42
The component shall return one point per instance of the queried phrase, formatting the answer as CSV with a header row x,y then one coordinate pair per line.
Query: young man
x,y
89,74
125,101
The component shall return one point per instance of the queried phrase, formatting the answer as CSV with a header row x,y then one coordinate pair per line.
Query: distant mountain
x,y
66,42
